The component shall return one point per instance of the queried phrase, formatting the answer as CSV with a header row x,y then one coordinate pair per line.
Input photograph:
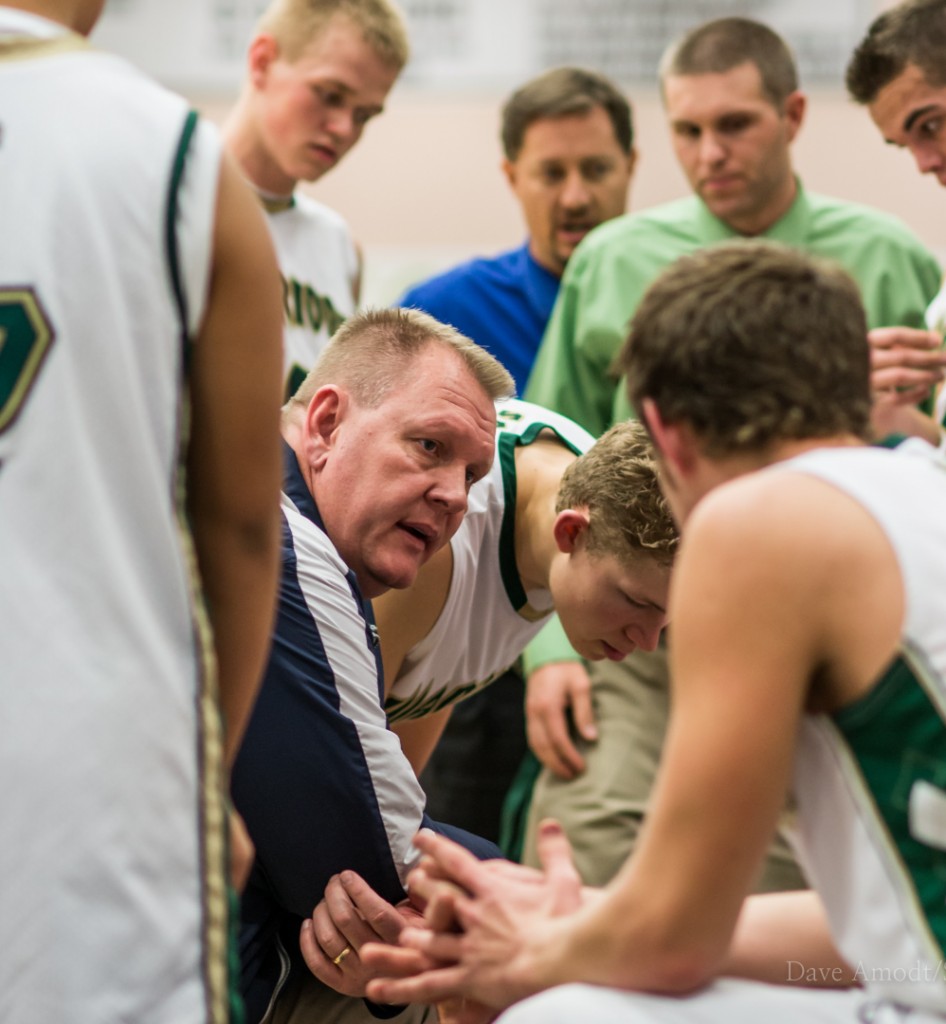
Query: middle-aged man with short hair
x,y
383,441
568,145
734,108
568,155
809,650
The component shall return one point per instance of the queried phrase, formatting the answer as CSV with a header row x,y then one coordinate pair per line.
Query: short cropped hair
x,y
752,343
374,350
559,93
914,32
726,43
295,23
616,481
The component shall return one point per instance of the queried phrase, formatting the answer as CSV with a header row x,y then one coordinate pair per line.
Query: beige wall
x,y
423,188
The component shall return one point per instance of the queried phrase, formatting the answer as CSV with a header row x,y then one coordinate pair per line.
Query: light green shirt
x,y
612,268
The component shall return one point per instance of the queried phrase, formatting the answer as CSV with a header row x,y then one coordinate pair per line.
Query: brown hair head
x,y
616,481
912,33
752,343
726,43
559,93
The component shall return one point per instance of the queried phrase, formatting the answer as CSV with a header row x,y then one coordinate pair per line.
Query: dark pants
x,y
479,753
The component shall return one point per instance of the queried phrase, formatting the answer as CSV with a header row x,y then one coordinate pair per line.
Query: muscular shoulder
x,y
791,560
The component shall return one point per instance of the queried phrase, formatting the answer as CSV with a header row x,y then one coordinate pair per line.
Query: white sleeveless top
x,y
112,882
871,780
488,617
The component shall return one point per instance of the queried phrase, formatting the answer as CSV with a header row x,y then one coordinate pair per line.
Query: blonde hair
x,y
295,23
373,351
616,481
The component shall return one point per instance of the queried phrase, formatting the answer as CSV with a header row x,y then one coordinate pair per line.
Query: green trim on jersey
x,y
890,441
170,230
221,979
510,437
909,703
26,336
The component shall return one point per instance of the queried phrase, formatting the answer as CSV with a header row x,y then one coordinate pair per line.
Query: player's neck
x,y
539,469
256,165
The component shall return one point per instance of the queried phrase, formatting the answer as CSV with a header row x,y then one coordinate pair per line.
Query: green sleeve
x,y
898,289
570,375
548,646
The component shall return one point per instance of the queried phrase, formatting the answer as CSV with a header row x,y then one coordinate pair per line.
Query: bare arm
x,y
419,736
233,459
405,617
783,938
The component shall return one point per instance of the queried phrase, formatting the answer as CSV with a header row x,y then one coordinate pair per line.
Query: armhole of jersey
x,y
507,532
171,239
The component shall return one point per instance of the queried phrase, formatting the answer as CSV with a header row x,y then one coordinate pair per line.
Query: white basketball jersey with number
x,y
871,779
112,888
319,267
488,617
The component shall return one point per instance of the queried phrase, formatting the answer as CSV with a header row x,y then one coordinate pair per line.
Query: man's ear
x,y
263,52
796,103
568,527
322,419
508,167
632,159
673,441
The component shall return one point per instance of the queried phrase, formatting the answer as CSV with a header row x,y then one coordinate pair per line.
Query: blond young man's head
x,y
617,541
317,72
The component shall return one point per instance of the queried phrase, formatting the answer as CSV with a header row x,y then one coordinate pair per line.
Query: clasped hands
x,y
474,936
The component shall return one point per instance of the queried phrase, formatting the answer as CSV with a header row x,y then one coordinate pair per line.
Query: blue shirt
x,y
502,303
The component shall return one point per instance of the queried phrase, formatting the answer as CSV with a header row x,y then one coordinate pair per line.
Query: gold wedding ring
x,y
341,956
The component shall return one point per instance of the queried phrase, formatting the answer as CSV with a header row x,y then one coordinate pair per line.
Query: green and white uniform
x,y
319,266
112,871
870,784
488,616
871,780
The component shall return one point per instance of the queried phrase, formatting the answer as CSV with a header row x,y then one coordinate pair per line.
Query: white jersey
x,y
319,267
871,779
488,617
112,883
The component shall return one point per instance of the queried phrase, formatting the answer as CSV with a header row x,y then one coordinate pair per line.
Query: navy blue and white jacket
x,y
320,781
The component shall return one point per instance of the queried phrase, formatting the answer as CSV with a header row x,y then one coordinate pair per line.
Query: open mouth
x,y
424,534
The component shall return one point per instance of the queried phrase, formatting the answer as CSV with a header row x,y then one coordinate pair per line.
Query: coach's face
x,y
911,113
392,480
570,175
